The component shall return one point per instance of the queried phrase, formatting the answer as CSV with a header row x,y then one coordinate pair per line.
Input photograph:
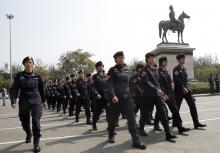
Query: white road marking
x,y
74,136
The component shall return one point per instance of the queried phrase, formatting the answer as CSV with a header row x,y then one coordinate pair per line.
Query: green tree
x,y
73,61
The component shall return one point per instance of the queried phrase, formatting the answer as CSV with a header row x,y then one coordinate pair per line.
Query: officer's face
x,y
150,60
73,78
28,65
100,68
119,60
182,61
164,64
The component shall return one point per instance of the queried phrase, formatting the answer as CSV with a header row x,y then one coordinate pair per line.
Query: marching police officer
x,y
60,94
153,95
98,89
166,84
216,83
83,99
119,97
67,94
73,93
182,90
31,98
211,84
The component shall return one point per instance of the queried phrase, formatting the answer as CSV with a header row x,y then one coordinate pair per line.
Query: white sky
x,y
47,28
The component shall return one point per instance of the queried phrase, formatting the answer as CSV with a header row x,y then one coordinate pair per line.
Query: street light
x,y
10,17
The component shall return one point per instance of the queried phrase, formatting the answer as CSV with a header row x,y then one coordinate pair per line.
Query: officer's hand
x,y
99,97
71,97
166,98
44,104
77,94
65,97
115,99
185,91
13,106
160,93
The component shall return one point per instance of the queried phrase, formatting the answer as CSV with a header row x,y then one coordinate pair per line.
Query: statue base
x,y
170,50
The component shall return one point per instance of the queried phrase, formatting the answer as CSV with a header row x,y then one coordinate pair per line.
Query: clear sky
x,y
47,28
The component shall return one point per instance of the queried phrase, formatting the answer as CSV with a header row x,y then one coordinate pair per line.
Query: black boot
x,y
139,145
199,125
170,136
111,139
77,118
94,127
28,138
183,129
143,133
36,148
157,128
88,122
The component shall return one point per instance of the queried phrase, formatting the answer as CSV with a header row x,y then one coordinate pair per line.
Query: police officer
x,y
153,95
67,94
83,99
211,84
119,97
166,84
55,94
216,83
60,94
31,98
135,87
73,93
98,91
182,89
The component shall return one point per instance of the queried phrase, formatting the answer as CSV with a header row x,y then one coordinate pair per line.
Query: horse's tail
x,y
160,28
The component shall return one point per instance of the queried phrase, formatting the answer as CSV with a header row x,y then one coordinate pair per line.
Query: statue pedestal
x,y
170,50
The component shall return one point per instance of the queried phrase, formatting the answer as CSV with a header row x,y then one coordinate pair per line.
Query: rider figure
x,y
173,20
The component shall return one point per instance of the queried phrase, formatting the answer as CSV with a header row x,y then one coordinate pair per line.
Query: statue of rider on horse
x,y
173,24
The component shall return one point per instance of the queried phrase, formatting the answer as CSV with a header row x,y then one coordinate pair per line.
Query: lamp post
x,y
10,17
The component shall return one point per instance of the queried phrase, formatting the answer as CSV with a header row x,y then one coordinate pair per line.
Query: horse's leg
x,y
182,37
178,36
166,36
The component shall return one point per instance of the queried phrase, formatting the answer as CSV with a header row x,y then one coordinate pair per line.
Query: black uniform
x,y
30,100
136,90
217,84
73,99
118,85
211,85
54,97
98,88
168,90
60,97
180,82
67,96
83,88
151,82
51,95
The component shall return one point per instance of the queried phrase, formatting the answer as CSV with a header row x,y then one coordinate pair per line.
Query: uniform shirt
x,y
73,88
118,78
83,88
151,81
30,86
166,82
180,78
99,84
135,85
60,90
67,90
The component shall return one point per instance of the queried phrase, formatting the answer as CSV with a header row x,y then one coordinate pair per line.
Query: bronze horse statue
x,y
179,27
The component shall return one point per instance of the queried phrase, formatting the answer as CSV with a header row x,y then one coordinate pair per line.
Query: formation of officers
x,y
115,92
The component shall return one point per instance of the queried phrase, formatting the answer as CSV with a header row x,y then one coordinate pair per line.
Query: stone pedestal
x,y
170,50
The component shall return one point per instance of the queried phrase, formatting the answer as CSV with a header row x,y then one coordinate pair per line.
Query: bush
x,y
199,87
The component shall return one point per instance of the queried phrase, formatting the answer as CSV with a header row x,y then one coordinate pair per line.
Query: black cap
x,y
27,59
149,55
99,63
88,75
138,66
119,53
59,79
180,55
162,59
72,75
67,78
